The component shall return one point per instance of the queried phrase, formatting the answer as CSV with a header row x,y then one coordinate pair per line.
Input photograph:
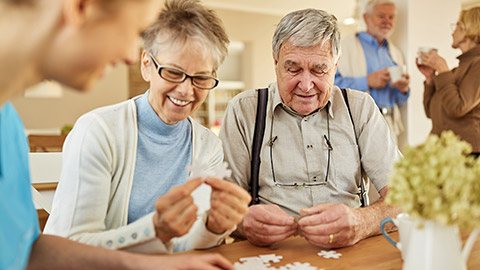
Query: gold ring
x,y
331,239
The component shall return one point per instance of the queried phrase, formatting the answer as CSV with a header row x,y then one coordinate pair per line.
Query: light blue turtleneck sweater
x,y
163,152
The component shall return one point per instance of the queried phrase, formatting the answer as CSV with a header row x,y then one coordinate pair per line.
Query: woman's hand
x,y
427,71
175,211
228,205
433,60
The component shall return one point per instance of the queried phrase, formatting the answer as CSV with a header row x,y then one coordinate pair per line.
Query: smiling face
x,y
381,21
174,102
305,76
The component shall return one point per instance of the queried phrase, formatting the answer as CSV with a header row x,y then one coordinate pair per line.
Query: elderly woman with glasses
x,y
452,97
124,180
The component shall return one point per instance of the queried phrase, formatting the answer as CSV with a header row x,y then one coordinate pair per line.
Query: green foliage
x,y
438,181
66,128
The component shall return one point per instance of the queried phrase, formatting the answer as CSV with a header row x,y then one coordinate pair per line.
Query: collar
x,y
370,40
278,103
470,54
151,124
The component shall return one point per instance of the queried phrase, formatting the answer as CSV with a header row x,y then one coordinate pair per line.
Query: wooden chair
x,y
46,143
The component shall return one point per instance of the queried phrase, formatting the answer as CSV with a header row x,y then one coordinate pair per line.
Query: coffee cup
x,y
396,72
424,50
404,224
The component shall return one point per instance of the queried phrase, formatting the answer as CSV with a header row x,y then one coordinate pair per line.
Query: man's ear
x,y
365,17
145,62
75,11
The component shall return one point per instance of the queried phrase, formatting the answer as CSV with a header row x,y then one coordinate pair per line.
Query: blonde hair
x,y
470,22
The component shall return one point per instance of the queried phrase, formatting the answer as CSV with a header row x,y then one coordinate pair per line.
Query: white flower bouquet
x,y
438,181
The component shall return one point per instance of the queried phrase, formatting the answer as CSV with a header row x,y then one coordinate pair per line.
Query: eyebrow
x,y
323,67
290,63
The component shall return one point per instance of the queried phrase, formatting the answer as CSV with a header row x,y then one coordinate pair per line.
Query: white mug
x,y
405,225
425,50
396,72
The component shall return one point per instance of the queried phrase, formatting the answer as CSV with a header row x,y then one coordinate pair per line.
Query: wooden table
x,y
371,253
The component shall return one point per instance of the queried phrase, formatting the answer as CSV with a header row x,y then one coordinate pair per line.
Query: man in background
x,y
366,59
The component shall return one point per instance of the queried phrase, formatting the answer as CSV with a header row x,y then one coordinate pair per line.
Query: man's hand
x,y
330,225
402,84
378,78
176,211
267,224
228,205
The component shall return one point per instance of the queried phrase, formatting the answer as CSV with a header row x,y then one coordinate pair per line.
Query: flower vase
x,y
434,246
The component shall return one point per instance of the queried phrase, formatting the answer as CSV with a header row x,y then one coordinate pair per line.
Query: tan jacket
x,y
452,101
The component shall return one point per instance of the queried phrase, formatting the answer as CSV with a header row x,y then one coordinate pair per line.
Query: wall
x,y
53,113
256,32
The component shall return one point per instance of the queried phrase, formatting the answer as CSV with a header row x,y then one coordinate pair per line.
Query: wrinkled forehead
x,y
320,52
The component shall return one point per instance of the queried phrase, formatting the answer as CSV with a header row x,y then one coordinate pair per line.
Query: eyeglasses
x,y
454,26
176,75
302,184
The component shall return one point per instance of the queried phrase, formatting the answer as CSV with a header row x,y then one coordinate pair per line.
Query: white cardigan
x,y
353,62
91,201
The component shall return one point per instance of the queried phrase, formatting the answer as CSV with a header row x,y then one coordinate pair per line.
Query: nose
x,y
388,20
186,87
306,82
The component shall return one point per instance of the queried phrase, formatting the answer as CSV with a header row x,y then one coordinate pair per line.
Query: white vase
x,y
434,246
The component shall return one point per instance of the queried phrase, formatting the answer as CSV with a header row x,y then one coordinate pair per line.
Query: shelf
x,y
230,85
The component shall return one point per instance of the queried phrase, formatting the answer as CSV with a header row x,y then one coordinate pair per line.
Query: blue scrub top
x,y
18,218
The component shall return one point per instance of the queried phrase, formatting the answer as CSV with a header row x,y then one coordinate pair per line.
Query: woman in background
x,y
71,41
123,182
452,97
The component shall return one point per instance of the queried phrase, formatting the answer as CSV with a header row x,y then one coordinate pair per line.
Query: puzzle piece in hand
x,y
222,171
299,231
270,258
329,254
197,169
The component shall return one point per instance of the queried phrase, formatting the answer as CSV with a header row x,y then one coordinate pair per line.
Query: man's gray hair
x,y
307,28
372,3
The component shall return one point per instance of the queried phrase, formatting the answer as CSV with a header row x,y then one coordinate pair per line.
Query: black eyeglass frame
x,y
295,184
159,69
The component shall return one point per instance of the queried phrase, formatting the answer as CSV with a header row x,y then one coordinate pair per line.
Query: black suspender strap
x,y
361,189
257,143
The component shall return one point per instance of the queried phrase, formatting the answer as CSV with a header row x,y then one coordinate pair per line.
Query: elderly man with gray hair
x,y
316,145
366,59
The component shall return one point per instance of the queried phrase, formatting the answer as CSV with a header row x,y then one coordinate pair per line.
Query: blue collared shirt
x,y
378,57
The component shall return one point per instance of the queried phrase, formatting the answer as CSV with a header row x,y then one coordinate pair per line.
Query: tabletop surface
x,y
371,253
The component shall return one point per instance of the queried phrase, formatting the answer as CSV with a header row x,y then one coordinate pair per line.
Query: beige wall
x,y
53,113
256,32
